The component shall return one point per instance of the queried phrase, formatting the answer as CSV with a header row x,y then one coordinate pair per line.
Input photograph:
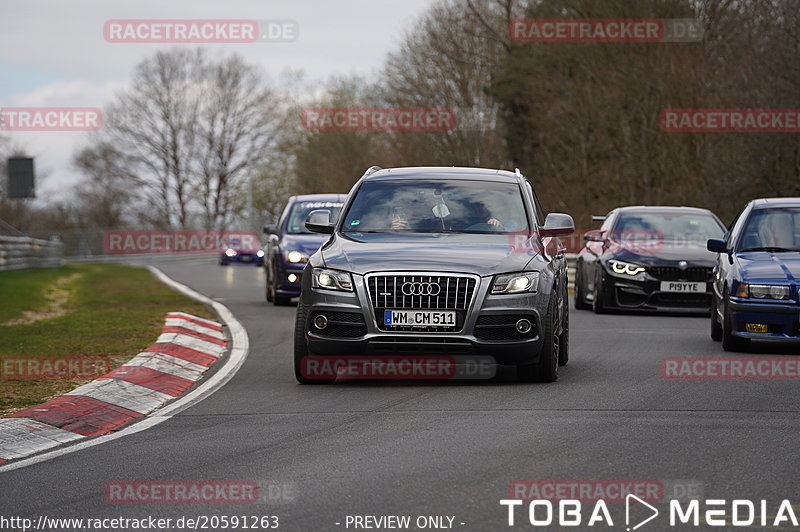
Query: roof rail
x,y
371,170
518,173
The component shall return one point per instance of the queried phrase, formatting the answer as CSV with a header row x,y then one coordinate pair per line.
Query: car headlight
x,y
516,283
763,291
260,253
230,252
296,256
331,280
626,268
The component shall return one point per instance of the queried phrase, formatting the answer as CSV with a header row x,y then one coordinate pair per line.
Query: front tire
x,y
580,297
272,292
546,369
597,303
716,326
729,341
301,348
563,342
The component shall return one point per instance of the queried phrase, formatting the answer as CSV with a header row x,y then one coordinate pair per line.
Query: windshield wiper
x,y
773,249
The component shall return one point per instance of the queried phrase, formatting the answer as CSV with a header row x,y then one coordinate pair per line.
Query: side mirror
x,y
595,235
319,221
717,246
557,224
270,229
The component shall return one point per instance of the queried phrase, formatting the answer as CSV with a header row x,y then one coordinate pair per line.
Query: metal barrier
x,y
571,258
19,252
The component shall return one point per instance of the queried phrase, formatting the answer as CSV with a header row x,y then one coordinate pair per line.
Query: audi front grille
x,y
421,292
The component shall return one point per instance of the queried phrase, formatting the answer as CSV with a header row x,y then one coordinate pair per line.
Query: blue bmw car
x,y
757,275
290,244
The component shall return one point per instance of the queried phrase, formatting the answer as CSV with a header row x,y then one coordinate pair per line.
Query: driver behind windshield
x,y
479,215
440,206
776,230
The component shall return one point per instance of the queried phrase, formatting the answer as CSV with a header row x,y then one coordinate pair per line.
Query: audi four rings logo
x,y
420,289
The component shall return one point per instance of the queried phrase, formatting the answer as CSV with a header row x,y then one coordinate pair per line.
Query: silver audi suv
x,y
432,262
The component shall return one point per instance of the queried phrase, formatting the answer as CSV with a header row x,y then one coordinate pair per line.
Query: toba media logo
x,y
639,512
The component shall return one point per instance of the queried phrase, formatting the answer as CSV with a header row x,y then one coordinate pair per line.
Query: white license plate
x,y
426,318
680,286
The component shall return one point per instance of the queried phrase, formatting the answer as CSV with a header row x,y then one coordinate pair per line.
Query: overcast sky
x,y
52,53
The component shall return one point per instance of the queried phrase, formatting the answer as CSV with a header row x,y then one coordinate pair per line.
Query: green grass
x,y
113,311
23,290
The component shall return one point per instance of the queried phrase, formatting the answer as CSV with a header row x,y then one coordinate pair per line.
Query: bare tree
x,y
238,128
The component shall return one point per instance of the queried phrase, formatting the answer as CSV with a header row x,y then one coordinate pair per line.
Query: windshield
x,y
428,206
772,230
668,227
301,210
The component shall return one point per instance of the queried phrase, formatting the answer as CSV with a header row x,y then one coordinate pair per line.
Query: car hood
x,y
665,254
483,255
308,244
766,267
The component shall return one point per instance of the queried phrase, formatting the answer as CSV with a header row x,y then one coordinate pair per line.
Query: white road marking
x,y
240,346
122,393
168,364
20,437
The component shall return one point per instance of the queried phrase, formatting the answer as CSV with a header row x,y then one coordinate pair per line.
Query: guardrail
x,y
571,258
20,252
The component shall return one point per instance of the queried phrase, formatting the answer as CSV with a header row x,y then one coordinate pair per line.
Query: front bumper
x,y
628,294
353,331
782,319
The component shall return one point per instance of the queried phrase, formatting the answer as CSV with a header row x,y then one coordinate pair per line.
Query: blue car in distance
x,y
242,250
757,275
290,244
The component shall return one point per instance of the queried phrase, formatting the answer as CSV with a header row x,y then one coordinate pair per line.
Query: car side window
x,y
729,234
536,205
608,223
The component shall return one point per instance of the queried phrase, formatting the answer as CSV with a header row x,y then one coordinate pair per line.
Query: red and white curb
x,y
187,347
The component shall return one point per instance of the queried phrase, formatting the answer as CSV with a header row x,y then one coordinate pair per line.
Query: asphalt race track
x,y
439,448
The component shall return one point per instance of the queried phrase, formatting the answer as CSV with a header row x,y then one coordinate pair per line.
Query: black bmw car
x,y
648,259
426,261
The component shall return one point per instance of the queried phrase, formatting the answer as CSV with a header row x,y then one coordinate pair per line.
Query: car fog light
x,y
523,326
320,322
292,277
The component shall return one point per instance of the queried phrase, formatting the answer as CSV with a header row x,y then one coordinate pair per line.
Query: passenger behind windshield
x,y
436,206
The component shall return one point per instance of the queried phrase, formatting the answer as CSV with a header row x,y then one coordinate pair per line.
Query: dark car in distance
x,y
289,244
422,261
241,250
648,258
757,275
